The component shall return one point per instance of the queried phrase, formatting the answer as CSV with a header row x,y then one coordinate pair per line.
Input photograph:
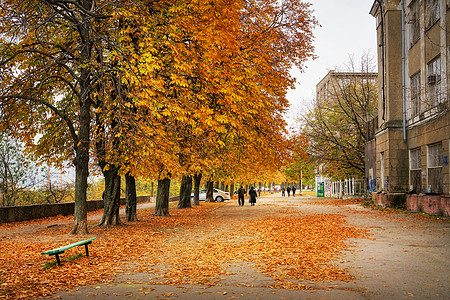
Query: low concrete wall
x,y
438,205
397,200
30,212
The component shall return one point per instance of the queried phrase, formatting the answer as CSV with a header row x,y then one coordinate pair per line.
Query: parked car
x,y
218,195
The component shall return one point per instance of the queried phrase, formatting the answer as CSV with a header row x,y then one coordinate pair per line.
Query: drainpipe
x,y
403,69
383,97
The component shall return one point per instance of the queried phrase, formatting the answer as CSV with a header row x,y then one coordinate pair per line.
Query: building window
x,y
414,22
432,12
434,81
415,167
415,95
434,162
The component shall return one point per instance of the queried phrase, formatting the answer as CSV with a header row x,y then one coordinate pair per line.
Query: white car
x,y
218,195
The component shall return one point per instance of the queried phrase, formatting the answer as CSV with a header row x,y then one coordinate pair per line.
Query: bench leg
x,y
87,250
57,259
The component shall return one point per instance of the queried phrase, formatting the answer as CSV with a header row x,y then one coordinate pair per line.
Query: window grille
x,y
415,160
415,173
434,68
434,81
435,162
435,155
432,11
415,94
414,22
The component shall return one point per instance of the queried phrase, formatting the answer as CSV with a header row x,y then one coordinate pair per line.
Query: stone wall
x,y
29,212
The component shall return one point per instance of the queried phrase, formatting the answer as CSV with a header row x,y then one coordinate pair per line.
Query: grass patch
x,y
49,265
73,257
368,202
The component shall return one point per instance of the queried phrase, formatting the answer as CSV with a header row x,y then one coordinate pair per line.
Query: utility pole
x,y
301,181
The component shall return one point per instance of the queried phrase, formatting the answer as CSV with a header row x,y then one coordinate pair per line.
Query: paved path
x,y
407,258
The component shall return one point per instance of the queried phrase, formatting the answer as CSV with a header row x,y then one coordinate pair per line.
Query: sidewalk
x,y
403,256
406,257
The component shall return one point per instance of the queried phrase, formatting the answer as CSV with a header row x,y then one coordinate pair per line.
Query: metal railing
x,y
347,188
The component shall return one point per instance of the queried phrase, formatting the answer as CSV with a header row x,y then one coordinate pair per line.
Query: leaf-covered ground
x,y
290,247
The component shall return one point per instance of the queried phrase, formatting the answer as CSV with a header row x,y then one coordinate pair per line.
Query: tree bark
x,y
130,198
197,180
185,192
162,198
80,210
112,198
232,189
81,145
209,191
110,172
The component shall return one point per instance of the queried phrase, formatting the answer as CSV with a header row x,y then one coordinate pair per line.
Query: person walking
x,y
259,192
293,191
288,190
241,194
283,194
252,196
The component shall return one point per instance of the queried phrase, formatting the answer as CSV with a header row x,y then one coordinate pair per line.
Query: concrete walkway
x,y
407,257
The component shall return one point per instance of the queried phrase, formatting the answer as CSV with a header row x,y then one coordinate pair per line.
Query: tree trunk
x,y
81,145
130,198
232,189
185,192
112,198
80,210
197,180
209,191
110,172
162,198
152,190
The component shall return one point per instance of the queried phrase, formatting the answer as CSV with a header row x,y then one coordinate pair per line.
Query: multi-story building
x,y
335,83
353,92
413,134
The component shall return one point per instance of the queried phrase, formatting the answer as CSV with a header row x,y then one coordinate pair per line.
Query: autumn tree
x,y
202,80
34,58
18,173
300,170
337,125
212,80
272,37
51,62
301,165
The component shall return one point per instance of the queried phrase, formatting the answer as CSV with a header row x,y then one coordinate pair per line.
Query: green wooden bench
x,y
56,252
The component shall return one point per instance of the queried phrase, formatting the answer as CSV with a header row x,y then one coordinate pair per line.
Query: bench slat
x,y
64,248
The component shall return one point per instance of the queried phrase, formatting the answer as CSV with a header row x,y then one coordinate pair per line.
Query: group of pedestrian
x,y
288,190
251,193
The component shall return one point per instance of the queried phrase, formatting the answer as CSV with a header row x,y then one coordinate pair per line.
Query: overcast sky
x,y
346,29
